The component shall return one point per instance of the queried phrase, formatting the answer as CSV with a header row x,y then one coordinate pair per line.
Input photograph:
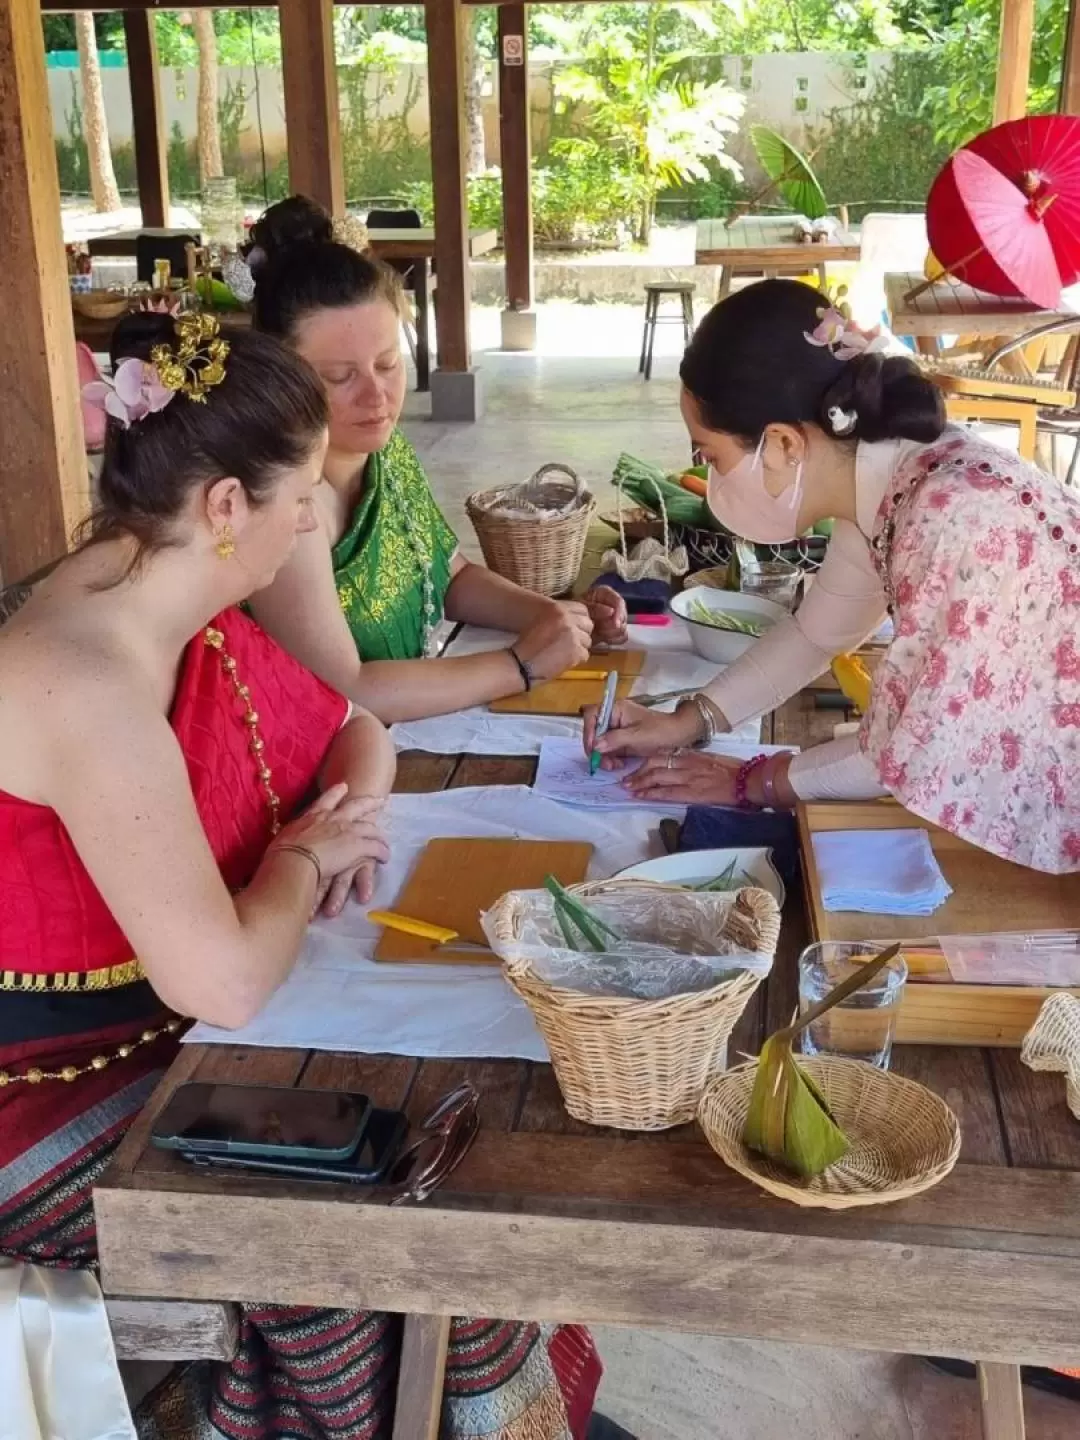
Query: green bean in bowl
x,y
723,624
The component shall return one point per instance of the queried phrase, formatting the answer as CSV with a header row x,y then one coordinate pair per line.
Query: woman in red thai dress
x,y
160,856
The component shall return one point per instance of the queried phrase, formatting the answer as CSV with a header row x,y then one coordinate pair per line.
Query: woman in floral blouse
x,y
974,718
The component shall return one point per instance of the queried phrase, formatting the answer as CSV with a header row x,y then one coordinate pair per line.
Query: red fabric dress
x,y
71,991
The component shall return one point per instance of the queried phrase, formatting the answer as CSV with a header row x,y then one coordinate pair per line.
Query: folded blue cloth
x,y
710,827
879,872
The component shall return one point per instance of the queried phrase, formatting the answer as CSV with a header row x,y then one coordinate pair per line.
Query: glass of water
x,y
862,1026
771,580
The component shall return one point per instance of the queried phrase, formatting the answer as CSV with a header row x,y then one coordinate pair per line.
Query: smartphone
x,y
646,605
378,1150
268,1121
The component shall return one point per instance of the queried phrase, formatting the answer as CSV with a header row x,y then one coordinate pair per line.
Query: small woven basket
x,y
539,547
642,1064
1053,1043
904,1138
100,304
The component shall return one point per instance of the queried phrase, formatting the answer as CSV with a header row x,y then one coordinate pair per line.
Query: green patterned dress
x,y
392,565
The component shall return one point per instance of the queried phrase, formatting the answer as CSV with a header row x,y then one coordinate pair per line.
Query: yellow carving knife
x,y
423,930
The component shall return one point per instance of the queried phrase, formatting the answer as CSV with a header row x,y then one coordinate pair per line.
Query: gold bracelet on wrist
x,y
288,849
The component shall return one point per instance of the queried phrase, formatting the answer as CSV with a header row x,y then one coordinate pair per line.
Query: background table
x,y
949,307
551,1219
414,249
765,244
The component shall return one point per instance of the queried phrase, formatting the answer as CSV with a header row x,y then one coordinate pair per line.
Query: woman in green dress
x,y
363,594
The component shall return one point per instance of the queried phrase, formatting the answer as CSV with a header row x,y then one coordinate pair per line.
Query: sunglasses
x,y
448,1132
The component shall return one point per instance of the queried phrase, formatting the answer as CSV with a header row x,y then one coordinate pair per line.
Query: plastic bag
x,y
671,943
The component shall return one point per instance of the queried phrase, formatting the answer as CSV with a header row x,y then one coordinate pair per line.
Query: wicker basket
x,y
540,550
904,1138
642,1064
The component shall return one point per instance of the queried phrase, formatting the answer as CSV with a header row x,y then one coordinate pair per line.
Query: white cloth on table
x,y
59,1378
880,872
671,663
339,998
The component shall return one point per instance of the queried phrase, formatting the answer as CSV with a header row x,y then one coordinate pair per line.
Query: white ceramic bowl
x,y
723,646
691,868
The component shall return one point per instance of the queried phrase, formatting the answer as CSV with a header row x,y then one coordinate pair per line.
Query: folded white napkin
x,y
881,872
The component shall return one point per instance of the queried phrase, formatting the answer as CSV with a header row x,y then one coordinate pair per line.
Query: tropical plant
x,y
961,104
637,81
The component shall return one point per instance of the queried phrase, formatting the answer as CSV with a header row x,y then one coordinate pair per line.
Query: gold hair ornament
x,y
197,362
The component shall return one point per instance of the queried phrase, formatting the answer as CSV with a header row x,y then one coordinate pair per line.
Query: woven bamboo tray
x,y
100,304
904,1138
642,1064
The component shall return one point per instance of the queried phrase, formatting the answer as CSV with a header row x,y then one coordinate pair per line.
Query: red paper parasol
x,y
1004,213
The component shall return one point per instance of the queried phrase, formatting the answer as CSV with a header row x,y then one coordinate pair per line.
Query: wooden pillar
x,y
451,398
147,118
312,121
515,146
44,484
1014,59
1069,103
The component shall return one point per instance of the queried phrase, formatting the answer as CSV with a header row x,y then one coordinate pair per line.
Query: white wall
x,y
786,91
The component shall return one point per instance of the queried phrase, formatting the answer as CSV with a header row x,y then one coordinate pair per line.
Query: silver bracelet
x,y
768,783
706,716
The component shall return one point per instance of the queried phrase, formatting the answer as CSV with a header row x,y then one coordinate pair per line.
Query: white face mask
x,y
741,502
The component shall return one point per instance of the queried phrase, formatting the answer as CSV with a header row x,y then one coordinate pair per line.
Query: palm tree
x,y
103,187
210,162
472,80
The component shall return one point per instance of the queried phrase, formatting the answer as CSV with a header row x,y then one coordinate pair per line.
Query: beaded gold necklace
x,y
35,1075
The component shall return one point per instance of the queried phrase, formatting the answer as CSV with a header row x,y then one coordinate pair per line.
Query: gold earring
x,y
226,545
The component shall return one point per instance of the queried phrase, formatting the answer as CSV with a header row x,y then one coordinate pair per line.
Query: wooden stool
x,y
683,290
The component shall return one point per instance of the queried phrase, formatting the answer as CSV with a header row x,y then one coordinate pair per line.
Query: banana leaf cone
x,y
788,1120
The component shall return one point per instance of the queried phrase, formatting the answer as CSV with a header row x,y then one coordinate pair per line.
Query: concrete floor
x,y
580,400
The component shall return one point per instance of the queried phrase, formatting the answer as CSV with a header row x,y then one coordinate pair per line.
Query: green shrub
x,y
581,194
881,151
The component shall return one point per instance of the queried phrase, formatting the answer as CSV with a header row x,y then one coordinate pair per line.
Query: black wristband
x,y
524,670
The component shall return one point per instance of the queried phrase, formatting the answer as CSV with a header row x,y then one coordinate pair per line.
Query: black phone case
x,y
379,1148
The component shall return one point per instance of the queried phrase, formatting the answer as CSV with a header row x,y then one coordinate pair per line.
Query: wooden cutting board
x,y
566,694
455,879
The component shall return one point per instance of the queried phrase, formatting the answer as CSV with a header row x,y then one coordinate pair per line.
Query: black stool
x,y
683,290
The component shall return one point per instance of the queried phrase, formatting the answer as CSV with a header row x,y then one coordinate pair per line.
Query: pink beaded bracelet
x,y
742,780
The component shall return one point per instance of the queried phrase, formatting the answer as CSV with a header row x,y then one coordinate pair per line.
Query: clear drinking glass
x,y
771,580
862,1026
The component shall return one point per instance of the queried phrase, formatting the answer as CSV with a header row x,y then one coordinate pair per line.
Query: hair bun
x,y
293,222
889,397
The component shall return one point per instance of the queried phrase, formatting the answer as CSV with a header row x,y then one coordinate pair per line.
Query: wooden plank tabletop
x,y
552,1219
949,307
420,244
766,242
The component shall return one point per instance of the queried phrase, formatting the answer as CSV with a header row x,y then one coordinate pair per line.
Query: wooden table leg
x,y
420,1380
1001,1400
422,281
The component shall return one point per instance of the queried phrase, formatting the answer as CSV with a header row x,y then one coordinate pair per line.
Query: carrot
x,y
695,484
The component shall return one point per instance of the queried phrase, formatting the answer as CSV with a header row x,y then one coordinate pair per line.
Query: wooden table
x,y
949,307
548,1218
765,245
410,251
